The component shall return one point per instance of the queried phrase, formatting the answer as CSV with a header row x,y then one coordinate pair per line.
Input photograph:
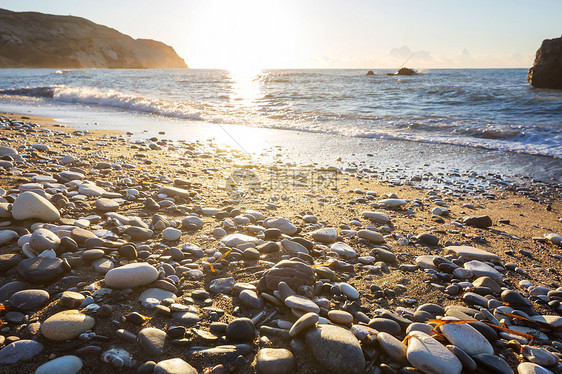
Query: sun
x,y
244,36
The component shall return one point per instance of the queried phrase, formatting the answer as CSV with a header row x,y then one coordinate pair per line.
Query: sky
x,y
370,34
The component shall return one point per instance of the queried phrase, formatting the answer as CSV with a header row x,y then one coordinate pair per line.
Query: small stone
x,y
429,356
372,236
131,276
325,235
539,356
302,324
28,300
302,303
478,221
152,340
71,299
336,349
41,270
171,234
275,361
221,285
348,290
61,365
340,316
241,330
467,338
20,350
530,368
66,325
174,366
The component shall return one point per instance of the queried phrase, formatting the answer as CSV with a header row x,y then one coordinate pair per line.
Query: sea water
x,y
486,119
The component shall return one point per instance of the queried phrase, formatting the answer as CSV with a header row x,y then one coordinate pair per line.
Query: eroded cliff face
x,y
37,40
547,69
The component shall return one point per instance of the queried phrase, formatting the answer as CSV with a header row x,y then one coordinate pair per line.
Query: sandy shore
x,y
310,197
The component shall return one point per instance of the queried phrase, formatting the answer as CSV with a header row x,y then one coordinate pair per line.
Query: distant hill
x,y
37,40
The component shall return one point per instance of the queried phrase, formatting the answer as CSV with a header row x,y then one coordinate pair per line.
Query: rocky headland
x,y
155,256
36,40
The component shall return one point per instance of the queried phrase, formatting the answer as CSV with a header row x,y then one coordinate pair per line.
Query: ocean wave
x,y
108,98
280,111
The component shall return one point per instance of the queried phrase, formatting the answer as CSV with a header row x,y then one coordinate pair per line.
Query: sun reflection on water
x,y
246,86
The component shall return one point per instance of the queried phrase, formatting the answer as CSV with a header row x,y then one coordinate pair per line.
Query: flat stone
x,y
71,299
192,221
281,223
293,247
9,260
221,285
428,239
103,265
28,300
20,350
174,366
348,290
385,325
340,316
393,347
234,240
392,203
7,236
467,338
175,192
492,364
480,269
302,303
89,189
106,205
336,349
251,299
372,236
156,293
294,273
379,217
187,319
275,361
326,235
10,288
344,250
481,222
41,270
29,205
539,356
472,253
426,262
131,276
66,325
139,233
302,324
488,283
62,365
530,368
152,340
429,356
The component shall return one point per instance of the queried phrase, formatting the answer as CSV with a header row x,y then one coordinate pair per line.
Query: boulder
x,y
547,68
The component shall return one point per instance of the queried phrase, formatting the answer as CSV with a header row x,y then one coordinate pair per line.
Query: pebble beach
x,y
127,255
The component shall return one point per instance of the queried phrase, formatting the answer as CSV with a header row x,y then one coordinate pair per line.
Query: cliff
x,y
37,40
547,69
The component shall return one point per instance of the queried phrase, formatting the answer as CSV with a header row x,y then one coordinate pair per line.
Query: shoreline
x,y
389,270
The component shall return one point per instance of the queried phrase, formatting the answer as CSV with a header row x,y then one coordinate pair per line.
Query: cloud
x,y
404,53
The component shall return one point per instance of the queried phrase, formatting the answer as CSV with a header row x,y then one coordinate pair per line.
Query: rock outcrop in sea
x,y
547,68
37,40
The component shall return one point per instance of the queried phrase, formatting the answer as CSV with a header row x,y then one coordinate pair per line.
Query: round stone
x,y
349,291
275,361
340,316
241,329
29,205
66,325
171,234
27,300
42,239
174,366
41,270
131,276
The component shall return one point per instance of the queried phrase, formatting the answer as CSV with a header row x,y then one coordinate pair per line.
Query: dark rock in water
x,y
481,222
404,71
293,272
370,72
547,68
41,269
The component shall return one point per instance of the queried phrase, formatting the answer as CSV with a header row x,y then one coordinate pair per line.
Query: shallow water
x,y
494,115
